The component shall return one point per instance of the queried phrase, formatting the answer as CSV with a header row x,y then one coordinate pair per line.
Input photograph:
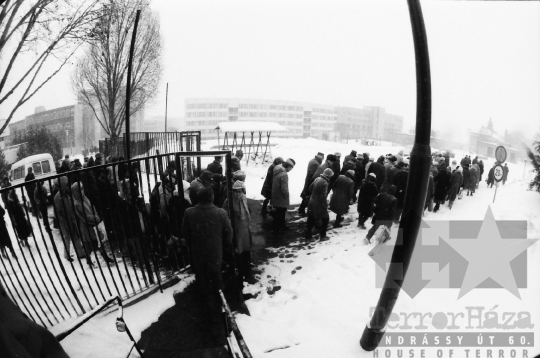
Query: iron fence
x,y
116,231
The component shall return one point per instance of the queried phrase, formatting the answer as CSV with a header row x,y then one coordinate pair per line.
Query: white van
x,y
41,164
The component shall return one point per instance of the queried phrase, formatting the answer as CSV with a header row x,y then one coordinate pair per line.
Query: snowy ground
x,y
327,289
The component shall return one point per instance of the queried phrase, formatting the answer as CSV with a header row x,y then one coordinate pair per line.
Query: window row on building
x,y
206,105
51,115
206,114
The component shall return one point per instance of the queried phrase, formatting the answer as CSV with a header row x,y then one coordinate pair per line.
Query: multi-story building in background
x,y
157,124
302,119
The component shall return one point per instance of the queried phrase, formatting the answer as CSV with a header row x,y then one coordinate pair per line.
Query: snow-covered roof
x,y
242,126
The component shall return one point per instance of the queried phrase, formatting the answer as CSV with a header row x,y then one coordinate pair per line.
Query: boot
x,y
106,257
450,205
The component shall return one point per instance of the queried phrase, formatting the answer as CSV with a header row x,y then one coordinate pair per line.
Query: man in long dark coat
x,y
441,181
318,204
336,168
342,196
384,212
280,193
215,167
368,192
378,169
208,231
313,165
30,189
400,181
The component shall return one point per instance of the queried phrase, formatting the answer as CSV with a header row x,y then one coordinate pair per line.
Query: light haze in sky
x,y
484,56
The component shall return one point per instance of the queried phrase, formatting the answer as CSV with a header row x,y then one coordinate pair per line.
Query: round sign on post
x,y
498,172
500,154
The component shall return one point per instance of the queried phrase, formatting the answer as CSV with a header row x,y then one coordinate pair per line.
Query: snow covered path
x,y
327,289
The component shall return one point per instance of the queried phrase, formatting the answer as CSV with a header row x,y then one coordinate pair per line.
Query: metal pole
x,y
128,87
415,194
166,102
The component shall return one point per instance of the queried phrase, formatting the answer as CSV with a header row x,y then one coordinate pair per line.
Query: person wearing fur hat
x,y
203,181
318,204
242,219
336,168
280,192
342,196
330,159
349,157
368,192
456,180
239,175
235,161
313,165
266,190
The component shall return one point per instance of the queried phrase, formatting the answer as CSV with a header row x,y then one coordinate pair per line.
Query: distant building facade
x,y
302,119
486,140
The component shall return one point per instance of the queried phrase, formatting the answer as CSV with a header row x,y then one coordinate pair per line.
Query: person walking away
x,y
67,220
336,168
400,181
429,194
368,192
390,162
5,240
280,193
30,188
456,180
215,167
505,173
266,190
215,184
348,165
235,161
203,181
491,177
481,165
313,165
18,218
318,204
441,182
40,198
342,196
385,207
473,179
466,178
87,220
378,169
208,232
242,219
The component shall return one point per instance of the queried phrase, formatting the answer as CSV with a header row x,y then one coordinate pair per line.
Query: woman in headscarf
x,y
87,220
242,232
67,220
18,218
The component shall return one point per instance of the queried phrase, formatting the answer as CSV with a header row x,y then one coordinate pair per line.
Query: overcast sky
x,y
484,56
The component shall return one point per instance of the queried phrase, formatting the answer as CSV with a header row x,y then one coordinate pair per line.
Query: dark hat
x,y
331,157
206,175
320,155
401,165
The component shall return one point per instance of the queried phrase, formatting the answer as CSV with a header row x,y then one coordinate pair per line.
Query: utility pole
x,y
166,100
415,194
128,87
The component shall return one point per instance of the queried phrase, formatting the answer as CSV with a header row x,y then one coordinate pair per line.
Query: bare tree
x,y
40,30
99,79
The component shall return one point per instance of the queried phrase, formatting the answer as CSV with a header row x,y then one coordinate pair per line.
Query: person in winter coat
x,y
5,240
30,188
378,169
349,165
400,181
441,182
330,159
266,190
336,168
368,165
208,232
456,180
390,162
242,232
466,177
342,196
313,165
481,165
203,181
318,204
40,198
505,173
215,167
67,220
87,220
280,192
384,212
491,177
394,171
348,157
368,192
235,161
215,184
5,184
430,191
473,179
18,218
